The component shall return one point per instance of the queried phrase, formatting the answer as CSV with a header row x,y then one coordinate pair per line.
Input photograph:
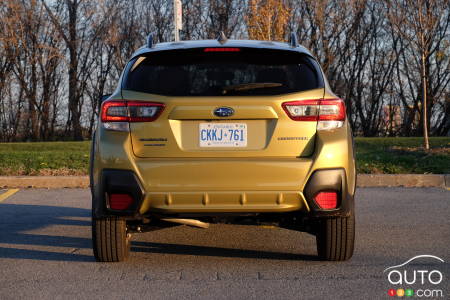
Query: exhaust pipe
x,y
188,222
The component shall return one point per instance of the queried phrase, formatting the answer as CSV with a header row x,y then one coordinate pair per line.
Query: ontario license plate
x,y
223,134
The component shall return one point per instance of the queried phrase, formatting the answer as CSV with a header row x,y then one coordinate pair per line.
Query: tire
x,y
335,238
110,241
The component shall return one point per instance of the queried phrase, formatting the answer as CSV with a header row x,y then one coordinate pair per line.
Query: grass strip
x,y
373,156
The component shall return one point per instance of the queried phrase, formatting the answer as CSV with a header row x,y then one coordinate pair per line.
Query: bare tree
x,y
34,55
79,32
223,15
267,19
423,26
100,79
389,59
5,72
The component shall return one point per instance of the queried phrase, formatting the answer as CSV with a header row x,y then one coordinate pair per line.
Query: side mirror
x,y
104,97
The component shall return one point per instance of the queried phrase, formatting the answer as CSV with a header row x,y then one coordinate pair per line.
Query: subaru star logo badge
x,y
224,111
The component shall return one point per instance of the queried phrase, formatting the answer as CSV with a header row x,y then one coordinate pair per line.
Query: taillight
x,y
330,113
120,201
306,110
114,111
144,111
327,200
116,115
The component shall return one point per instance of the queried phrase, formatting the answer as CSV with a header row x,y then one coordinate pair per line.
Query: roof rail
x,y
293,40
222,38
150,41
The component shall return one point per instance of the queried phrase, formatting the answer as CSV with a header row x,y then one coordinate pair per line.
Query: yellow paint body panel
x,y
264,116
268,175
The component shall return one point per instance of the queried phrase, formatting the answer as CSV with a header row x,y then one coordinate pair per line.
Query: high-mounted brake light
x,y
223,49
116,115
330,113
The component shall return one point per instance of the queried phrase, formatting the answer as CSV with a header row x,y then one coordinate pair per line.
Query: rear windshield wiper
x,y
250,86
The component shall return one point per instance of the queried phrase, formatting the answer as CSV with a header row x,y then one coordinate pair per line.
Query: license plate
x,y
223,134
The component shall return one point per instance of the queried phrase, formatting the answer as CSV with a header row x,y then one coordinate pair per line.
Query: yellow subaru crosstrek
x,y
235,131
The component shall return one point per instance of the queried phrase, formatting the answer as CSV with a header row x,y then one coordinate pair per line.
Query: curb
x,y
364,180
48,182
405,180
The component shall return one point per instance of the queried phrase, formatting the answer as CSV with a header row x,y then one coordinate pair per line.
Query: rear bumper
x,y
210,202
216,185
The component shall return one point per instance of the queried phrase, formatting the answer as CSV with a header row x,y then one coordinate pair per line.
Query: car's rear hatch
x,y
221,104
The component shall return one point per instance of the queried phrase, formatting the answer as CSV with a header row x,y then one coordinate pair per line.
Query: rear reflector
x,y
326,200
222,50
120,201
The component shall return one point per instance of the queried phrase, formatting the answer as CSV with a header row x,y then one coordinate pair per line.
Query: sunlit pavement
x,y
45,252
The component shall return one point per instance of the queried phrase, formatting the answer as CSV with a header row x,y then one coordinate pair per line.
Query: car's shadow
x,y
17,220
166,248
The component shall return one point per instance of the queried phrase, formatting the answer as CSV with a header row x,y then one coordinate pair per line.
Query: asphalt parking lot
x,y
45,252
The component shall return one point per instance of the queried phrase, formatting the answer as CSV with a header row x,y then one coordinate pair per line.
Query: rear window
x,y
206,72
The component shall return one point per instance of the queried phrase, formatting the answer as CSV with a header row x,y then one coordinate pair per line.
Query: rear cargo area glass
x,y
196,72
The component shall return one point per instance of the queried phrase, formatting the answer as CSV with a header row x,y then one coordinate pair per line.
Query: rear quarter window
x,y
194,72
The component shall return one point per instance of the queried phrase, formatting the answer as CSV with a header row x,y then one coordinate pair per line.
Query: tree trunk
x,y
426,143
74,96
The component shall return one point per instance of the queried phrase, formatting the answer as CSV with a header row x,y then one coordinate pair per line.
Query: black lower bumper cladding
x,y
326,180
118,182
126,182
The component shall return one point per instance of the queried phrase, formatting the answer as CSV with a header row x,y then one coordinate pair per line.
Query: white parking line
x,y
7,194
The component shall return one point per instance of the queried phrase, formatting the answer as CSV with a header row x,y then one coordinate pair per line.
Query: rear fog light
x,y
327,200
120,201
